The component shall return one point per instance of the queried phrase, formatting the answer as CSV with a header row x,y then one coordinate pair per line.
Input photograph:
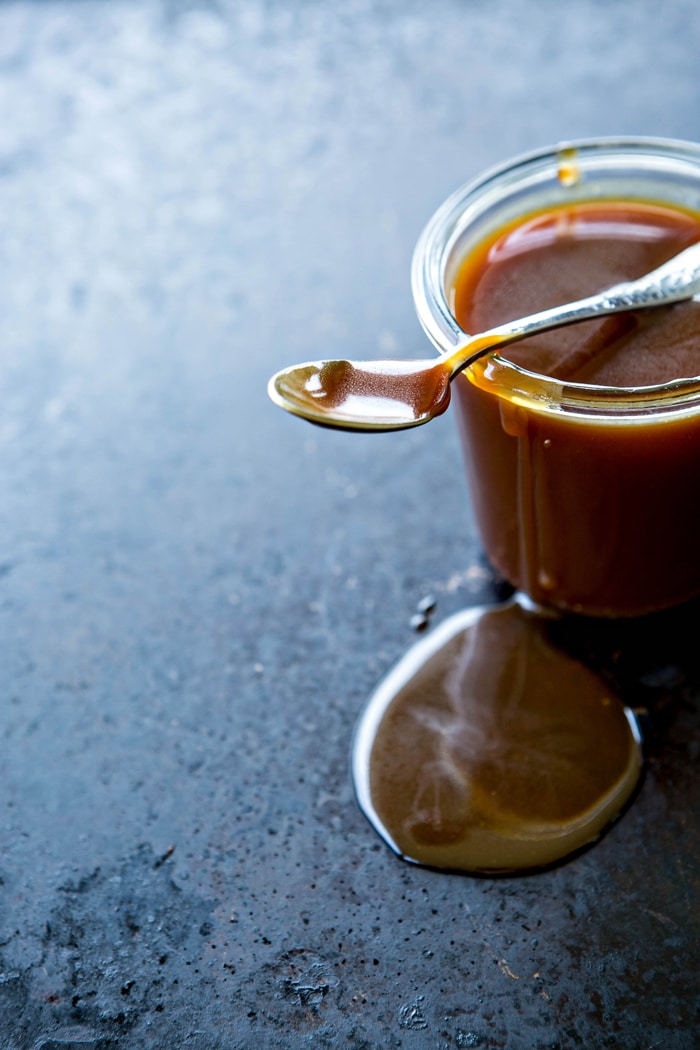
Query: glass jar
x,y
587,497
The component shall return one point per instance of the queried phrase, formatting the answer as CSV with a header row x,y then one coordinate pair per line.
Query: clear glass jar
x,y
587,497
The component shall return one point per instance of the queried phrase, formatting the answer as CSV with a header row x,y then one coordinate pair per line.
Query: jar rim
x,y
672,163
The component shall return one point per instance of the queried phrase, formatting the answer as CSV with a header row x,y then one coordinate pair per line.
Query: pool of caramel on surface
x,y
490,750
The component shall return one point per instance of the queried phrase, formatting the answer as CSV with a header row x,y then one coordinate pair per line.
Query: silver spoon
x,y
392,395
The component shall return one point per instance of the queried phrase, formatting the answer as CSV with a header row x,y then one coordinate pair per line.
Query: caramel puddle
x,y
488,749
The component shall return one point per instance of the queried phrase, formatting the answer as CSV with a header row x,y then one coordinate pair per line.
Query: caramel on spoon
x,y
392,395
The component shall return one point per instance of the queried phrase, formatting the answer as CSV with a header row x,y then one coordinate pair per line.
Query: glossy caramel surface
x,y
567,253
490,749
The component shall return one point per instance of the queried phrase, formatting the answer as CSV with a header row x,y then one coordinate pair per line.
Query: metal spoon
x,y
392,395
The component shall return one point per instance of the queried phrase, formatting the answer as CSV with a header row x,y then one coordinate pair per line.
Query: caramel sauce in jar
x,y
591,502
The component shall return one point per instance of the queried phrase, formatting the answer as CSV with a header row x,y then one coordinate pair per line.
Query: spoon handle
x,y
673,282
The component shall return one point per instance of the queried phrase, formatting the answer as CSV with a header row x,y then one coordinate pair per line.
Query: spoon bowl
x,y
358,395
395,394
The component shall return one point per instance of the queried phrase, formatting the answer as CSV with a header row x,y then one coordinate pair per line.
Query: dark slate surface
x,y
198,592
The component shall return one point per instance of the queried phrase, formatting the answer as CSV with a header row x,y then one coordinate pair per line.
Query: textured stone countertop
x,y
198,592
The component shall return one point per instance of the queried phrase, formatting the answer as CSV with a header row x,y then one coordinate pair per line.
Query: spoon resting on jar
x,y
394,394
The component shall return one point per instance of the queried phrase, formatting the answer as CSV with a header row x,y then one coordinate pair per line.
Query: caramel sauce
x,y
568,253
568,171
368,395
396,390
489,749
597,515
